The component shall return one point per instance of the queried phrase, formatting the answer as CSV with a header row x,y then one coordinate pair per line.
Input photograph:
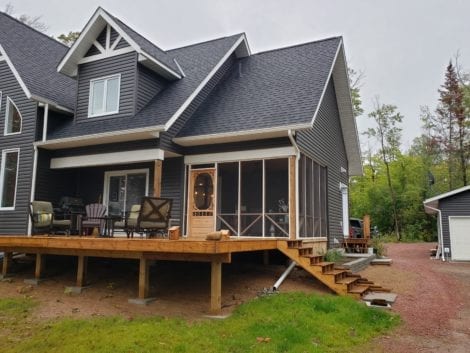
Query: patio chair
x,y
129,223
154,216
95,213
43,220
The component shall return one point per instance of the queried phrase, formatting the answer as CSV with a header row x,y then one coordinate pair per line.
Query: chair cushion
x,y
61,222
42,220
153,225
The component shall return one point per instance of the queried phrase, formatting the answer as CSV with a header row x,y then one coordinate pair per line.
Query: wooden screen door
x,y
202,187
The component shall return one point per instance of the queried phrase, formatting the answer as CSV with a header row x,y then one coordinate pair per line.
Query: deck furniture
x,y
154,216
95,214
129,222
44,221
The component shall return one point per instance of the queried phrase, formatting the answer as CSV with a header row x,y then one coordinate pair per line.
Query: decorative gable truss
x,y
109,43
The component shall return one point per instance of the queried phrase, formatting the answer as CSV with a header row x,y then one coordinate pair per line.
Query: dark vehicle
x,y
356,229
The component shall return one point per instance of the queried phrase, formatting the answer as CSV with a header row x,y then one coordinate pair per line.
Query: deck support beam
x,y
157,178
38,270
7,259
143,278
82,267
216,287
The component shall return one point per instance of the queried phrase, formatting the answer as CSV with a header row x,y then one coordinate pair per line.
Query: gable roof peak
x,y
148,53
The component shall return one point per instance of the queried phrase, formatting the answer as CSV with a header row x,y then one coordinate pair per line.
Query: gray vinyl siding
x,y
324,143
149,85
16,221
126,65
122,44
173,185
165,140
456,205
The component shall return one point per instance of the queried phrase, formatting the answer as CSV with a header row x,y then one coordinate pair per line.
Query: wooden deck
x,y
144,250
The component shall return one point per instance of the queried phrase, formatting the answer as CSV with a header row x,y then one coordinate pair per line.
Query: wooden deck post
x,y
292,198
38,272
82,268
157,178
143,278
216,286
7,258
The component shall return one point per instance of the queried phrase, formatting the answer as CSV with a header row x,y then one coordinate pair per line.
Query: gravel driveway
x,y
433,301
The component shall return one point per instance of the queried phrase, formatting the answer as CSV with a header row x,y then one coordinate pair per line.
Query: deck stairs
x,y
340,281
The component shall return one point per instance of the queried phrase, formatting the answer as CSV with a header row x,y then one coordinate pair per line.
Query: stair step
x,y
305,251
347,280
358,289
313,258
325,266
335,272
294,244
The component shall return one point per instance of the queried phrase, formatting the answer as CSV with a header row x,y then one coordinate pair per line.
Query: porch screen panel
x,y
227,197
117,192
135,189
251,198
312,198
276,197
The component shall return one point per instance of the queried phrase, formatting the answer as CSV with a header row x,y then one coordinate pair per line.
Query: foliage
x,y
355,79
32,21
69,38
293,322
333,255
378,245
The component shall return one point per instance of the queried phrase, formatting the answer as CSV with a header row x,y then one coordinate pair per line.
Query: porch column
x,y
157,178
82,268
7,258
292,198
216,286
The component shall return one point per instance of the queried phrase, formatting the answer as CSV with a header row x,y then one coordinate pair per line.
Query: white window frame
x,y
126,172
7,113
2,174
90,96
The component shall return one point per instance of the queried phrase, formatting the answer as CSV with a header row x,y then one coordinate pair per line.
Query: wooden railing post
x,y
157,178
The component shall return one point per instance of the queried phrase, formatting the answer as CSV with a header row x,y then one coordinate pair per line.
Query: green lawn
x,y
292,322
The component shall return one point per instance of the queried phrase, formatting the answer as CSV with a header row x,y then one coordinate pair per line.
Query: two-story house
x,y
261,144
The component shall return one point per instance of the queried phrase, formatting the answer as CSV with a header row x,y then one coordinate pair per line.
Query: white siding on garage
x,y
459,228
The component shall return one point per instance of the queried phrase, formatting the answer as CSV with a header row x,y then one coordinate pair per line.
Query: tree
x,y
32,21
355,79
451,112
68,39
388,134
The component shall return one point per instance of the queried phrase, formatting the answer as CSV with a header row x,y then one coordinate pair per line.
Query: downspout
x,y
284,276
439,233
33,185
291,134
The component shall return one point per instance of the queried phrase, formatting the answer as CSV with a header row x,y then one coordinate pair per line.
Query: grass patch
x,y
292,322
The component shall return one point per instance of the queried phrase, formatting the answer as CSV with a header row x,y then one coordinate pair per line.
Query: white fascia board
x,y
103,138
237,136
432,200
167,72
279,152
92,160
15,73
51,103
199,88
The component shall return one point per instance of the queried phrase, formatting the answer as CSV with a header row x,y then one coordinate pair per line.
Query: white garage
x,y
453,223
459,232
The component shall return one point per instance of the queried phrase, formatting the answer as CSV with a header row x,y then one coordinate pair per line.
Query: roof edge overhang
x,y
238,136
339,73
241,50
69,63
434,201
146,133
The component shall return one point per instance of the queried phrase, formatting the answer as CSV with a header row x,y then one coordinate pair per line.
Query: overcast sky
x,y
402,47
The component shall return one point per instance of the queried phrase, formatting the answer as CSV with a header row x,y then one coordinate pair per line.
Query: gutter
x,y
284,276
439,235
291,134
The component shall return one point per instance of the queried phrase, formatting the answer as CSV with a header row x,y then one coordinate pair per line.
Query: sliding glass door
x,y
122,189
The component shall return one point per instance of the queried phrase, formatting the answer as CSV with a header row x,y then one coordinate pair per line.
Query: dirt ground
x,y
433,301
433,297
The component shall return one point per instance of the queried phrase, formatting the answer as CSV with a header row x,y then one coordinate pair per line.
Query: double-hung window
x,y
104,96
13,119
9,178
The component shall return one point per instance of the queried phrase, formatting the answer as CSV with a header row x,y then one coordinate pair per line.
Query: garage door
x,y
459,228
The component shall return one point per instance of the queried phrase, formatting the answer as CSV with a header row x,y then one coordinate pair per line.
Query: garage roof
x,y
434,201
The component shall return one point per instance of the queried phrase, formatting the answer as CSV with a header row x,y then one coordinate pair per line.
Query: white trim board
x,y
92,160
279,152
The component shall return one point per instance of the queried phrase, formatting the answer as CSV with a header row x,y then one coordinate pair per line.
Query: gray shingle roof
x,y
196,60
147,46
275,88
35,56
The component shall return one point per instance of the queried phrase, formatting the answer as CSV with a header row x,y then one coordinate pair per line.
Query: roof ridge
x,y
33,29
206,41
298,45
